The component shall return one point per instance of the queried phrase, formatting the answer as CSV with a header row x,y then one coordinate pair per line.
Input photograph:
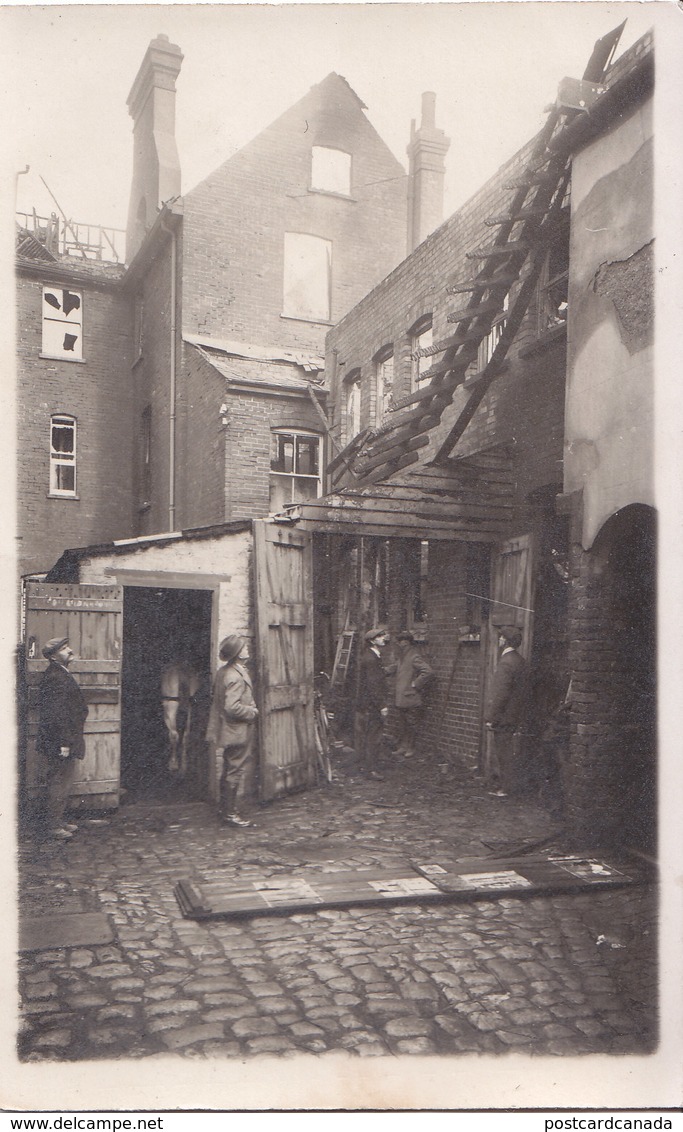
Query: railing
x,y
67,238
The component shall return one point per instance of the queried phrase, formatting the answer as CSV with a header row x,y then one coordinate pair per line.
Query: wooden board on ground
x,y
473,878
80,929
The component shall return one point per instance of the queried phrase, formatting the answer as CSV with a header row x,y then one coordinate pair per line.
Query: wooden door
x,y
284,654
512,593
92,618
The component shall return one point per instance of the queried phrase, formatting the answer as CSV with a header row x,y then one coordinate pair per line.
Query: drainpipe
x,y
172,379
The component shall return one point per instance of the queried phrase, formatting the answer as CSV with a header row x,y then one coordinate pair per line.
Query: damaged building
x,y
444,441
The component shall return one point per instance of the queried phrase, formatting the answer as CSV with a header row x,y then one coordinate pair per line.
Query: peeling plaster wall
x,y
609,428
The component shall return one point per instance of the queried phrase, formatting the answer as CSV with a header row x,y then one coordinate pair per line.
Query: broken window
x,y
62,455
307,277
62,323
493,337
421,338
330,170
384,381
294,468
352,387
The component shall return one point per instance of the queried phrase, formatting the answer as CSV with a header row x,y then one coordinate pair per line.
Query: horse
x,y
179,685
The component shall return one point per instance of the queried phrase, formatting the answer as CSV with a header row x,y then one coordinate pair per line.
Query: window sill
x,y
332,193
302,318
61,358
58,495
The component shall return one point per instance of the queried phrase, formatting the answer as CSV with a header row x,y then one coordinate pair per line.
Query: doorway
x,y
162,625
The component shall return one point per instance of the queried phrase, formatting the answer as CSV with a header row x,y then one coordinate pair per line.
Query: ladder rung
x,y
512,218
473,312
477,284
448,343
499,250
528,179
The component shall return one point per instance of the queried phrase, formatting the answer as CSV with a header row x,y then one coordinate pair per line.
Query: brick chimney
x,y
156,167
426,151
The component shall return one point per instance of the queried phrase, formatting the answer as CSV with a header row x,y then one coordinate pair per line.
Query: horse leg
x,y
170,717
184,740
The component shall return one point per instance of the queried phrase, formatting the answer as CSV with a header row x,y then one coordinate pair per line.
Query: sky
x,y
66,72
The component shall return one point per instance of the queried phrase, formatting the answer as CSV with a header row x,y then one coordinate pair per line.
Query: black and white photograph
x,y
345,456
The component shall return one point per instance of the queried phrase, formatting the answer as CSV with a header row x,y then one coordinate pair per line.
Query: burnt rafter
x,y
509,272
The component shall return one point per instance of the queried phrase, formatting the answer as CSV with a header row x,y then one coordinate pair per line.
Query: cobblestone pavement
x,y
561,974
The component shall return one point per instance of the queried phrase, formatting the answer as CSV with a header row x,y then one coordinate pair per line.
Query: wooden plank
x,y
279,697
345,526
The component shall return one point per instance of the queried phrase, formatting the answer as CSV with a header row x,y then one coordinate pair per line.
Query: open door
x,y
92,618
284,652
511,604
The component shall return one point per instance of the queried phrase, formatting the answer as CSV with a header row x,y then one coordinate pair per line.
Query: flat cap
x,y
54,645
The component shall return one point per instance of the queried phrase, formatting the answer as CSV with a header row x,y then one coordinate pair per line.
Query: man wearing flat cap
x,y
506,710
231,727
372,704
62,712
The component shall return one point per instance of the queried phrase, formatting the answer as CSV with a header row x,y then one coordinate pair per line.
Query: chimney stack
x,y
156,167
426,151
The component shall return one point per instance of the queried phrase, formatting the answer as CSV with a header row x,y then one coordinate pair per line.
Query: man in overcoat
x,y
231,727
506,710
372,703
413,674
62,713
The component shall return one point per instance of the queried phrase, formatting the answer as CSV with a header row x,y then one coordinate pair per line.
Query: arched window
x,y
352,404
62,455
295,467
384,381
421,338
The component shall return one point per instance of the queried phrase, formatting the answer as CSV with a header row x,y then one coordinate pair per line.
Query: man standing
x,y
372,701
62,713
231,727
412,676
506,710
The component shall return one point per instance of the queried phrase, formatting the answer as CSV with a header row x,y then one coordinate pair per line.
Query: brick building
x,y
494,398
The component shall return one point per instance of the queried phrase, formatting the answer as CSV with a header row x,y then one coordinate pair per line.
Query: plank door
x,y
283,579
512,592
92,618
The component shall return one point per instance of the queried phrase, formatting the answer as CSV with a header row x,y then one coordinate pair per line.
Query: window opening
x,y
421,338
384,379
62,323
554,287
62,455
353,392
493,337
307,277
330,170
294,468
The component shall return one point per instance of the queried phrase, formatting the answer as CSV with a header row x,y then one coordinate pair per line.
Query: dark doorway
x,y
161,626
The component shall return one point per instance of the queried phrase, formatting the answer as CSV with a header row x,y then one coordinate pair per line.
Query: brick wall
x,y
235,221
201,442
252,417
98,393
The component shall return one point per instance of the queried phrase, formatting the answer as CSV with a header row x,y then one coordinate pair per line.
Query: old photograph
x,y
339,759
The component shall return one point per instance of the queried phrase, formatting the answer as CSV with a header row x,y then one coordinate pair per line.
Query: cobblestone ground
x,y
563,974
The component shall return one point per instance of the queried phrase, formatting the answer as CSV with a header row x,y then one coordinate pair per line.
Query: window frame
x,y
294,475
146,458
337,192
61,355
417,331
352,384
289,309
61,459
489,343
384,389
